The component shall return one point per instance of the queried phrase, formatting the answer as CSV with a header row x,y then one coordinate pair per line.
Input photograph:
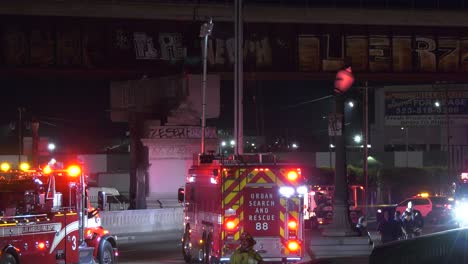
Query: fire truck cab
x,y
225,196
44,218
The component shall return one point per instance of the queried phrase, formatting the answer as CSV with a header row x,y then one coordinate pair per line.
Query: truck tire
x,y
186,248
8,258
106,255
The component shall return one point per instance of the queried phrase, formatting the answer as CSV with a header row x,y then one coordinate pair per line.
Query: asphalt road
x,y
155,252
166,248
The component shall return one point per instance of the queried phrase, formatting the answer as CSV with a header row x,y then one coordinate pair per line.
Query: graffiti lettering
x,y
425,48
144,47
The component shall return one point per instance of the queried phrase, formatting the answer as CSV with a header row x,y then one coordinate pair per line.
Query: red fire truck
x,y
43,218
225,196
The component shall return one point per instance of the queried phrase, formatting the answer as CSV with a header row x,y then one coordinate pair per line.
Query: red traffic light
x,y
344,80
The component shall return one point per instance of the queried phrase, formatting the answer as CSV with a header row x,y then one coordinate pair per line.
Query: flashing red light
x,y
292,175
230,225
293,245
47,169
41,245
292,225
74,171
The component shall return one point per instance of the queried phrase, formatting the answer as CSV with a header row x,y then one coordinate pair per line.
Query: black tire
x,y
106,255
186,251
8,258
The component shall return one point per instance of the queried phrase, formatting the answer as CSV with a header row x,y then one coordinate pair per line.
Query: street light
x,y
51,147
357,139
341,224
205,32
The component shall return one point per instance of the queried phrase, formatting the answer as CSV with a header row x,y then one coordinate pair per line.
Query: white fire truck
x,y
225,196
43,218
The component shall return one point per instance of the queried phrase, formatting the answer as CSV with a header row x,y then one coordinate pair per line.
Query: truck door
x,y
72,238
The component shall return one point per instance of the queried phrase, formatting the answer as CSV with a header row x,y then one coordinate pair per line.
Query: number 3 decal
x,y
73,242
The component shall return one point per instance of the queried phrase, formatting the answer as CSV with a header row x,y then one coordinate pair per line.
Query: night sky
x,y
75,114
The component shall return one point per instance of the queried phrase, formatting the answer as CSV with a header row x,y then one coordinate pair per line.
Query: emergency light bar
x,y
24,166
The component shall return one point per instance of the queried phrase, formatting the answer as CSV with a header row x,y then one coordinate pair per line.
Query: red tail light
x,y
293,245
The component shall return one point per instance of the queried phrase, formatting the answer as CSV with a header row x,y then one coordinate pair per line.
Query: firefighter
x,y
245,254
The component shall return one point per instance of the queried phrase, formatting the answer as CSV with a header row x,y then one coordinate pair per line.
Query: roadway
x,y
165,248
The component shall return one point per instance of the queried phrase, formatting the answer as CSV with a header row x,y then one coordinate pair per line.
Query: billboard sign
x,y
426,108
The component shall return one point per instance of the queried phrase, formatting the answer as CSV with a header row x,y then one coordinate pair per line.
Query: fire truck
x,y
226,196
43,218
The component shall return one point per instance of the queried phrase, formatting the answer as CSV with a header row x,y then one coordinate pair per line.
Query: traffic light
x,y
102,201
344,80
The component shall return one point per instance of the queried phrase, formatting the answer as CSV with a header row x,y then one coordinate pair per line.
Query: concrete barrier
x,y
442,247
142,221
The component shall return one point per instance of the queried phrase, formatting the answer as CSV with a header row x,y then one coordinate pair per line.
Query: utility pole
x,y
407,145
20,133
238,79
366,142
205,32
447,120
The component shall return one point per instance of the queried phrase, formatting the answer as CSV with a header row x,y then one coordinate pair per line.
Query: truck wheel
x,y
8,258
186,247
106,256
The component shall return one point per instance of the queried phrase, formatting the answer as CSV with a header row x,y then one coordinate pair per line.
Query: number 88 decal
x,y
261,226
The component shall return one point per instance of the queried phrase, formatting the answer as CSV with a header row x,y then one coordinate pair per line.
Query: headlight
x,y
460,210
286,191
302,190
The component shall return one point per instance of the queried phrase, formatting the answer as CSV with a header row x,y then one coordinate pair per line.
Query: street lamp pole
x,y
341,224
238,79
205,32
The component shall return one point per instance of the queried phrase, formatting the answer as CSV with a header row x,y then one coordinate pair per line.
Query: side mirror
x,y
215,172
181,195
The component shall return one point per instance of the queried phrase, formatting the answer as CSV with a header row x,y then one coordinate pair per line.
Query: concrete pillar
x,y
171,150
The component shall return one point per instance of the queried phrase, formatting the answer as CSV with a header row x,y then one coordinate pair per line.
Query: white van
x,y
115,200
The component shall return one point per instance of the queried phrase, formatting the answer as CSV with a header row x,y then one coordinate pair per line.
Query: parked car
x,y
436,208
